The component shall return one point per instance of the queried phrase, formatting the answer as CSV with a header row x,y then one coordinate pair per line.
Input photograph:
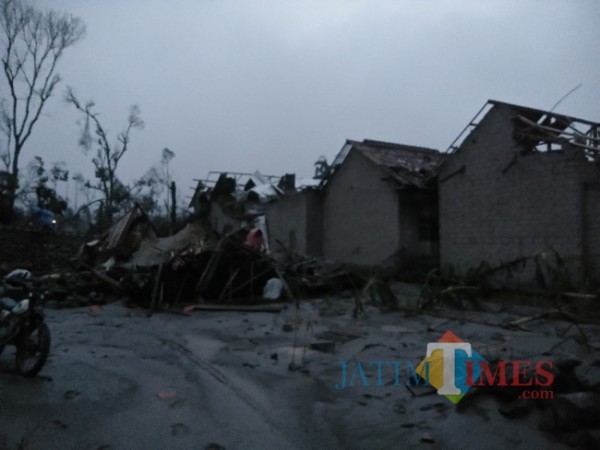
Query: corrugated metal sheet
x,y
119,230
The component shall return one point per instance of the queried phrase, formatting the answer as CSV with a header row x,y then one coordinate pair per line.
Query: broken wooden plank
x,y
578,296
210,268
271,308
249,281
522,320
108,280
156,286
228,285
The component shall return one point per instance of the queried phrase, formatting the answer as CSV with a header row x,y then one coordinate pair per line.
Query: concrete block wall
x,y
360,214
592,229
505,204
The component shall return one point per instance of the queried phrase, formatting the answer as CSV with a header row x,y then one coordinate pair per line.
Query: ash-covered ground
x,y
118,379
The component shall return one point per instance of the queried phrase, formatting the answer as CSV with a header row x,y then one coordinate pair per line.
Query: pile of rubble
x,y
192,267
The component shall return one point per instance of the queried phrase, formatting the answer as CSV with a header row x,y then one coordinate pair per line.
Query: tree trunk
x,y
173,207
9,194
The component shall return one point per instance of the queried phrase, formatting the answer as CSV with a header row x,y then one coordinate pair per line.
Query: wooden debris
x,y
523,320
108,280
271,308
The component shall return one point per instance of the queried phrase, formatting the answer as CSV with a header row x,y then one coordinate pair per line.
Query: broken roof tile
x,y
409,165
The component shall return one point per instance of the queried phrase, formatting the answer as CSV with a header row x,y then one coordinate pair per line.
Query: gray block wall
x,y
507,204
360,214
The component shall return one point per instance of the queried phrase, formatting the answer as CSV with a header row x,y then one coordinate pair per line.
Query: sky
x,y
272,85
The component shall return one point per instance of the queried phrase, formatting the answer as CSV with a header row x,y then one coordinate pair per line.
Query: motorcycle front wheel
x,y
33,350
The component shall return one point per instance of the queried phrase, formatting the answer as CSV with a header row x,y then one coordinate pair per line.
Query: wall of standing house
x,y
419,235
506,204
361,220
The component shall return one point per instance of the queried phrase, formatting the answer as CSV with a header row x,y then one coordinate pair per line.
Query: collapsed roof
x,y
542,131
236,186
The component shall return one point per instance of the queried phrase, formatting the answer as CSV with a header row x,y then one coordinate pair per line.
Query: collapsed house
x,y
377,206
229,201
521,184
193,265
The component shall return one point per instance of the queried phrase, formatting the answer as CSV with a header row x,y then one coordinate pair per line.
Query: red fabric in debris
x,y
255,239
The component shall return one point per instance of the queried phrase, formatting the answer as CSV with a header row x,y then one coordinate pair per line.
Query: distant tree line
x,y
32,42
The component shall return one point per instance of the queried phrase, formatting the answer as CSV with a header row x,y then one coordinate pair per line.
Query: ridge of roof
x,y
390,146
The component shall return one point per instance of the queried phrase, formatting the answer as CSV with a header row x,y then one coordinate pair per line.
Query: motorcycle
x,y
22,325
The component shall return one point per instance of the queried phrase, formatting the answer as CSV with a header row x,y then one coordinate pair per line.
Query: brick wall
x,y
506,204
38,251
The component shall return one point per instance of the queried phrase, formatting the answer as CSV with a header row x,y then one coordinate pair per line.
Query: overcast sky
x,y
271,85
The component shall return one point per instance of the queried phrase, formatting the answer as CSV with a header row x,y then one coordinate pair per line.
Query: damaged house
x,y
522,183
378,206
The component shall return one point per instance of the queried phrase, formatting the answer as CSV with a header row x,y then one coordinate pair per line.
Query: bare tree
x,y
171,200
108,155
154,182
31,44
46,196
